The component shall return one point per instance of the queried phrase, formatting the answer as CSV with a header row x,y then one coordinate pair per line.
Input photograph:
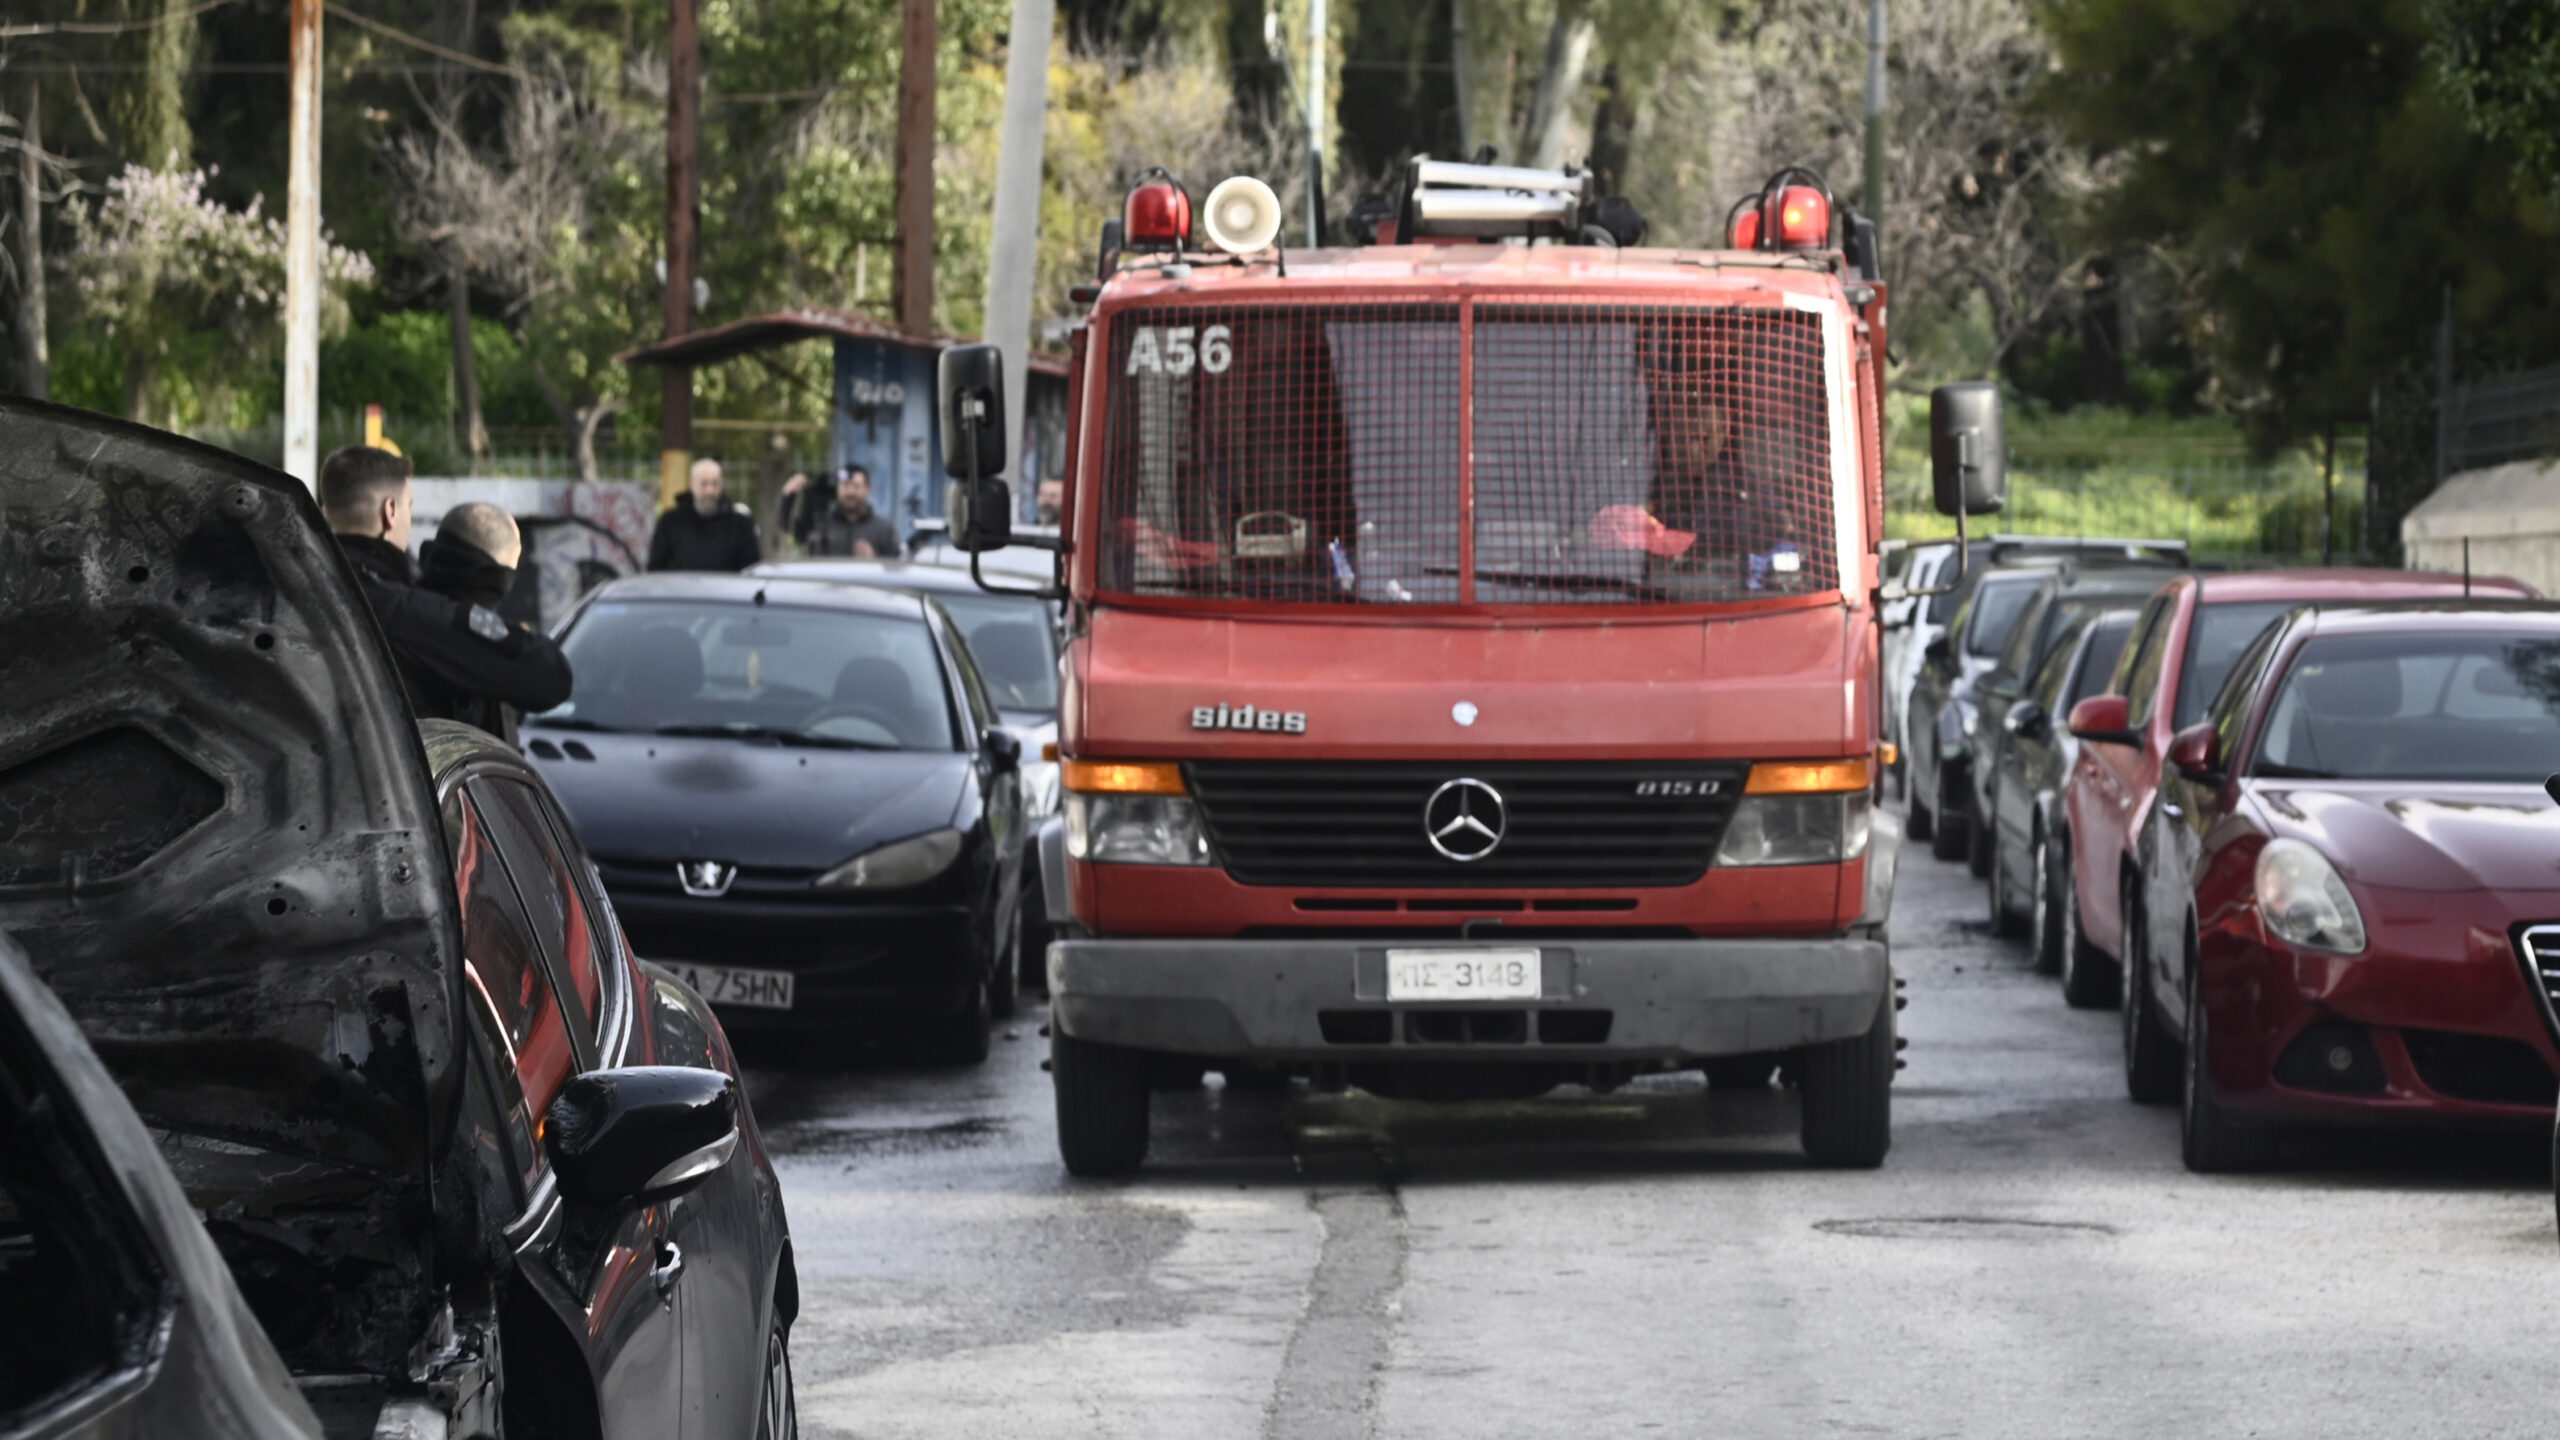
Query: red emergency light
x,y
1804,218
1742,227
1157,215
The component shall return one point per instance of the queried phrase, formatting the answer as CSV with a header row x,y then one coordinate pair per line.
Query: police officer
x,y
457,659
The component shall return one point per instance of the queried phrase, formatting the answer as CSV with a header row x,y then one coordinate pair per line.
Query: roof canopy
x,y
784,327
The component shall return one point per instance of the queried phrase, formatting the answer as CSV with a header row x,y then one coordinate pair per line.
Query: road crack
x,y
1329,1376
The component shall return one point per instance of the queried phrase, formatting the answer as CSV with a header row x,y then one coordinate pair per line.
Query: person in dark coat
x,y
850,526
704,531
456,657
472,560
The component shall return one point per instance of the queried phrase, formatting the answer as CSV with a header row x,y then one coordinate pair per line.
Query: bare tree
x,y
518,216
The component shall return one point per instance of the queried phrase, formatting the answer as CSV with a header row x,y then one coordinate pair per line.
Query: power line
x,y
105,27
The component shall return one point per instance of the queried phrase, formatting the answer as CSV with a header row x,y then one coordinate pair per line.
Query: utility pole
x,y
1317,55
1873,200
34,360
684,102
914,281
302,247
1012,251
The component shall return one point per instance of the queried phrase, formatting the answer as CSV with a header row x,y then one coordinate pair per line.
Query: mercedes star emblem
x,y
708,879
1465,819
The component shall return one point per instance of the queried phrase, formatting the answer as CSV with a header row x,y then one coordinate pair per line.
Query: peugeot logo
x,y
1465,820
708,879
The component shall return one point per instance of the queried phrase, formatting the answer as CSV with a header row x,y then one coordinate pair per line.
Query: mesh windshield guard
x,y
1621,454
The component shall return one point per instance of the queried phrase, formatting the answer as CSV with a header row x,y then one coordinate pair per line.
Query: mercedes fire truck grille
x,y
1334,454
1558,826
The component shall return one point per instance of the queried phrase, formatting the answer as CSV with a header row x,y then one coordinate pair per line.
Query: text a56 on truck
x,y
1471,683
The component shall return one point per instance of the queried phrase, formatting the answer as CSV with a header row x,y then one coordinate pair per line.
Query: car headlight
x,y
898,865
2304,901
1122,829
1796,830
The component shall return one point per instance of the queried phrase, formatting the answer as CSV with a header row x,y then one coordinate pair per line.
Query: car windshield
x,y
771,674
1620,454
2215,643
1015,647
2418,706
1996,608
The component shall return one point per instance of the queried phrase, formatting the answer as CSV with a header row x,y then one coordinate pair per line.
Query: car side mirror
x,y
2103,718
2552,785
1003,747
1968,456
2196,752
642,1134
2027,720
1938,651
978,504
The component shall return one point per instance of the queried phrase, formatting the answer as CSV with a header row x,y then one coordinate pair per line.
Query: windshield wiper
x,y
572,722
2278,770
1576,583
777,734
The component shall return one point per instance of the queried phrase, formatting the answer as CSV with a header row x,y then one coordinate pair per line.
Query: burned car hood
x,y
2425,837
218,842
665,798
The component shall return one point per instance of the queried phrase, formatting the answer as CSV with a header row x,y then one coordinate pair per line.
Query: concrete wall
x,y
2509,513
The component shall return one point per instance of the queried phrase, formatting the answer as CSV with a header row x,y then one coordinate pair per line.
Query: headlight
x,y
1135,829
2304,901
898,865
1796,830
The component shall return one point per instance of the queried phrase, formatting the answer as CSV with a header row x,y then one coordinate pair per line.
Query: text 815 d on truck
x,y
1471,684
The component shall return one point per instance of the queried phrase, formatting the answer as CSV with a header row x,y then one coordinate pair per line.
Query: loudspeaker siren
x,y
1243,215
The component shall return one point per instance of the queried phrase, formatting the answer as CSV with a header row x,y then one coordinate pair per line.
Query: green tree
x,y
2500,60
2315,189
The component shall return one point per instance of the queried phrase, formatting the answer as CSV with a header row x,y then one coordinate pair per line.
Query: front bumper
x,y
852,961
1321,1000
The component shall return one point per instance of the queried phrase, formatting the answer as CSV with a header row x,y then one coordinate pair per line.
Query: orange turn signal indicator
x,y
1888,754
1121,777
1808,777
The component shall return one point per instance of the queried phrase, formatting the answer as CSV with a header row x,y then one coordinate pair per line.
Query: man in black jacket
x,y
457,659
704,531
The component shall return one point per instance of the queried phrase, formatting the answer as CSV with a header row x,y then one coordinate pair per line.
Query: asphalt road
x,y
2031,1261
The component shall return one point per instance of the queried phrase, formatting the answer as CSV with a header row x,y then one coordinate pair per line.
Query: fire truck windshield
x,y
1622,454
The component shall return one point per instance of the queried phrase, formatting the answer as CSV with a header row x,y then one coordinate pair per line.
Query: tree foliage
x,y
2500,60
2312,187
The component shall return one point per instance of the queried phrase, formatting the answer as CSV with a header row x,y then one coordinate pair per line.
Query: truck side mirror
x,y
1967,453
980,506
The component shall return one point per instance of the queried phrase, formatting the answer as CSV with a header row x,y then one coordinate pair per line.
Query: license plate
x,y
1462,975
727,985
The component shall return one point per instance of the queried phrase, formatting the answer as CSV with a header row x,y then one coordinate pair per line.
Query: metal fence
x,y
2494,421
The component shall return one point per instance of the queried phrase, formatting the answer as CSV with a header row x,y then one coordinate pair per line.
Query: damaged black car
x,y
475,1169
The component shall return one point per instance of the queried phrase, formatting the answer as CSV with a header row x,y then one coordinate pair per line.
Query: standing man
x,y
704,531
450,653
850,526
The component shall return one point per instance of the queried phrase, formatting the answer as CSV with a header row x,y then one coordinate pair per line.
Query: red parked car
x,y
2350,881
2183,646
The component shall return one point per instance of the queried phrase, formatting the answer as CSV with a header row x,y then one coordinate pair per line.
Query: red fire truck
x,y
1471,677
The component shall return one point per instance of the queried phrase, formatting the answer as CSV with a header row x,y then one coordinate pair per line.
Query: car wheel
x,y
1949,840
1982,841
2150,1056
964,1039
1032,956
1919,824
1102,1097
778,1416
1740,1072
1847,1087
2209,1139
2006,924
2089,980
2044,918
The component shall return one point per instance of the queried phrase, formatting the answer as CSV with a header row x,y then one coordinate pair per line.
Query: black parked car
x,y
803,798
1014,639
1940,714
2070,593
101,1253
2030,764
475,1170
